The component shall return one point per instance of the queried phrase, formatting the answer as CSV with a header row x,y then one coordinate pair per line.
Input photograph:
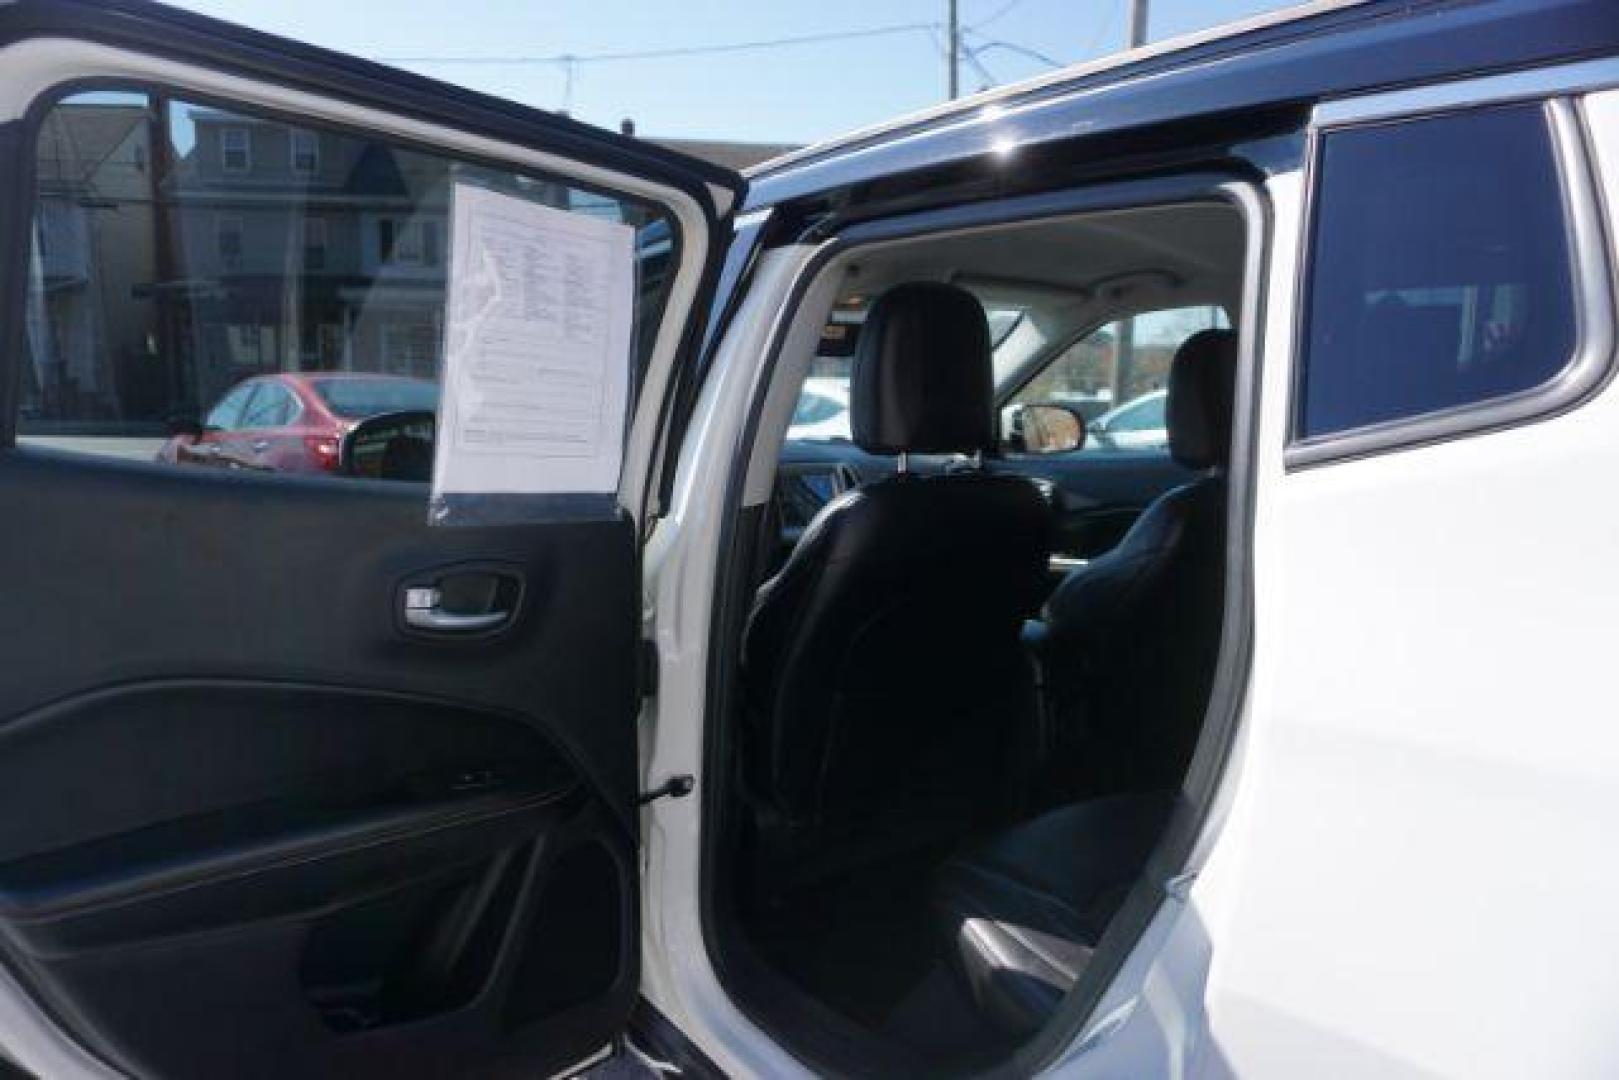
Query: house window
x,y
235,149
305,153
315,243
410,243
408,249
322,346
251,345
230,240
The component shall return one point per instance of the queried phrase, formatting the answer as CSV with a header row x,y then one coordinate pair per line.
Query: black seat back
x,y
1132,639
885,679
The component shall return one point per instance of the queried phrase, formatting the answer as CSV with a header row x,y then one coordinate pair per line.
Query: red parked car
x,y
293,422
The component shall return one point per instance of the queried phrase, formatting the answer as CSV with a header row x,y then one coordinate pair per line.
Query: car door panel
x,y
262,821
239,759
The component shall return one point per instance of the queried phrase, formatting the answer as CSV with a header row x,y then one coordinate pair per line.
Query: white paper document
x,y
537,349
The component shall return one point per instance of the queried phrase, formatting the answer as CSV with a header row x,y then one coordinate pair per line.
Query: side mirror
x,y
389,446
1046,428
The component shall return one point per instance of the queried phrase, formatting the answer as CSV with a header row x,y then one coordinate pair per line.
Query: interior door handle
x,y
423,612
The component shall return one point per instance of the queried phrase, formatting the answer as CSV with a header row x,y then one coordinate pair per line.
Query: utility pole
x,y
952,47
1138,23
1124,355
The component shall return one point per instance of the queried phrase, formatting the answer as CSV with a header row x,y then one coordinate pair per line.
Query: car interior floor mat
x,y
939,1021
859,944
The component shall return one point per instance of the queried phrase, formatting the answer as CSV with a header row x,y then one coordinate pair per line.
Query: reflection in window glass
x,y
355,399
227,415
235,149
314,243
305,152
270,406
1441,271
1145,413
181,250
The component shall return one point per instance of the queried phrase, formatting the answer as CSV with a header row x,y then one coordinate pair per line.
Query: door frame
x,y
699,641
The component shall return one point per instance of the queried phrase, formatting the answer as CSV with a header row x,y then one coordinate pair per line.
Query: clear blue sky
x,y
789,94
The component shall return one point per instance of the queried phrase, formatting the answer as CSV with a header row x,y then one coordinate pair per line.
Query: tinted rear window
x,y
1441,272
354,399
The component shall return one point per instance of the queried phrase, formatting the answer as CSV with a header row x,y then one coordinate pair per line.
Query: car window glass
x,y
813,408
271,406
1002,321
1146,414
356,398
1115,377
180,249
1441,274
227,415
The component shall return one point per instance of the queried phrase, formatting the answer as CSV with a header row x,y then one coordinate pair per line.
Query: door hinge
x,y
676,787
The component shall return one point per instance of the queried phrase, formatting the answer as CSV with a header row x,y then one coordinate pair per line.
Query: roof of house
x,y
75,139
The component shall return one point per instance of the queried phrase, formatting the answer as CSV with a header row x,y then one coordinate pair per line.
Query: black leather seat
x,y
1129,643
1022,913
886,684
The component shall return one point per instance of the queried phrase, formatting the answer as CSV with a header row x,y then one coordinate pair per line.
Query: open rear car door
x,y
261,817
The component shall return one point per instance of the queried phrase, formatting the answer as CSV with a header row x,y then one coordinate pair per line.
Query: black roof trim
x,y
1341,51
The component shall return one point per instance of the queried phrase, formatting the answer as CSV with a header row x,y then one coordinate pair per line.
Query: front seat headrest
x,y
922,379
1202,382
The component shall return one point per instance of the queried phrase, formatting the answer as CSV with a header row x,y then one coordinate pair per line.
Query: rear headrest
x,y
922,381
1202,382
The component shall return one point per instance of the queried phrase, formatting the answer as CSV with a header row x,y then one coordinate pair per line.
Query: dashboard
x,y
803,488
811,474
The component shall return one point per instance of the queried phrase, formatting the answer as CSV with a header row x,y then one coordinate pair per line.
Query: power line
x,y
987,76
998,12
987,44
1021,50
568,59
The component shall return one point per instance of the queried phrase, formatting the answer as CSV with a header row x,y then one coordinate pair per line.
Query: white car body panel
x,y
1413,879
1403,874
677,976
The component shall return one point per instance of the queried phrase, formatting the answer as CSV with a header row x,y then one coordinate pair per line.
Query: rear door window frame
x,y
699,201
1593,354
